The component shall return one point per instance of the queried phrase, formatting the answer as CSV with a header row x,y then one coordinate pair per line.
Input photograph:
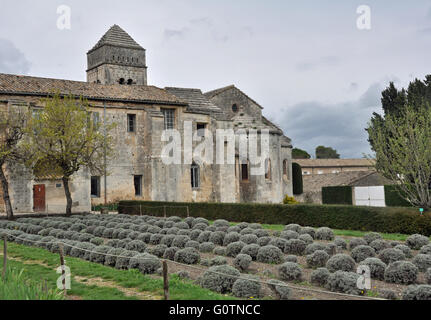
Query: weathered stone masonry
x,y
117,87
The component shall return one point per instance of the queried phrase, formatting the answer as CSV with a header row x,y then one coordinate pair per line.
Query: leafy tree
x,y
12,124
326,153
300,154
402,143
63,140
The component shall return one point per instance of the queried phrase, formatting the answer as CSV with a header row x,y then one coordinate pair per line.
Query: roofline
x,y
140,48
232,86
18,93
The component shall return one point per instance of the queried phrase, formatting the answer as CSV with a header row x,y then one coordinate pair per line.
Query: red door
x,y
39,198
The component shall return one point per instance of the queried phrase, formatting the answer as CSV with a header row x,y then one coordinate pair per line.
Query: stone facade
x,y
137,171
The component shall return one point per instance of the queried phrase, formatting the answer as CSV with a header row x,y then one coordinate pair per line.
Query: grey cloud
x,y
12,60
169,33
323,61
341,126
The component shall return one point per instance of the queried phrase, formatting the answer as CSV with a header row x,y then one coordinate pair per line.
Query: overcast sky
x,y
316,74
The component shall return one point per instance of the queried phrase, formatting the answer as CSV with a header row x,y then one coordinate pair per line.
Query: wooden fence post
x,y
63,271
164,210
165,280
188,212
140,209
4,255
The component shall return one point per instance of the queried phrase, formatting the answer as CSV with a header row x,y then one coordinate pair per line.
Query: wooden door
x,y
39,198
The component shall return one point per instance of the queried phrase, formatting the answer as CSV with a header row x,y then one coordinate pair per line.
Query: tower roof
x,y
116,36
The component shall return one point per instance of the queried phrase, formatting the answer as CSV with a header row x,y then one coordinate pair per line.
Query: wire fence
x,y
203,270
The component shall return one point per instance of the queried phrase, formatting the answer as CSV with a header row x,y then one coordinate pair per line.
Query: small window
x,y
195,176
95,187
244,171
137,180
286,168
268,169
169,115
129,82
235,108
131,122
121,81
201,127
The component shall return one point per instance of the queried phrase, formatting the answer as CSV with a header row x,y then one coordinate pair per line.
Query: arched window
x,y
268,169
244,171
121,81
235,108
195,176
286,168
129,82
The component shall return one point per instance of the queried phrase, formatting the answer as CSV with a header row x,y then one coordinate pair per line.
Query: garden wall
x,y
388,220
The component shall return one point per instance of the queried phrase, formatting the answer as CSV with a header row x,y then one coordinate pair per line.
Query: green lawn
x,y
45,263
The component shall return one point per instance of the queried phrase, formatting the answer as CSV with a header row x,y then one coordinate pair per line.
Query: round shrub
x,y
306,238
172,230
391,255
428,276
263,241
295,246
107,233
211,229
331,248
340,262
189,221
314,247
270,254
221,223
158,250
167,239
136,245
417,241
377,267
122,261
308,230
246,231
231,238
324,233
317,259
417,292
319,277
146,237
290,271
344,282
422,261
182,225
174,219
242,262
206,247
291,258
380,245
255,226
362,252
219,251
192,244
194,234
82,250
280,289
289,234
233,249
200,226
248,238
293,227
180,241
355,242
278,242
170,253
371,236
183,275
401,272
261,233
341,243
123,243
146,263
220,278
217,238
388,294
233,229
246,287
155,239
204,236
99,254
426,249
405,249
251,250
217,261
187,256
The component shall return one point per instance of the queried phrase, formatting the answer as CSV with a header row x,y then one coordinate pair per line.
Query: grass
x,y
15,286
45,263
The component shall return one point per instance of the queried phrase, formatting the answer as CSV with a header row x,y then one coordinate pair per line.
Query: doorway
x,y
39,198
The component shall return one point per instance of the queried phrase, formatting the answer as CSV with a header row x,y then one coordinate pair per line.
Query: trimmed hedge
x,y
297,179
387,220
337,195
393,197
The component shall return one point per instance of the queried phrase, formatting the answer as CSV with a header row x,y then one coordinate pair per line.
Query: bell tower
x,y
117,59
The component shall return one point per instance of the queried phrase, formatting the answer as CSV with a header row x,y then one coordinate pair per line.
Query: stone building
x,y
325,166
117,91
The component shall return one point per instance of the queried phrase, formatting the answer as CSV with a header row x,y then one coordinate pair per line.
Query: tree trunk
x,y
68,196
6,197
